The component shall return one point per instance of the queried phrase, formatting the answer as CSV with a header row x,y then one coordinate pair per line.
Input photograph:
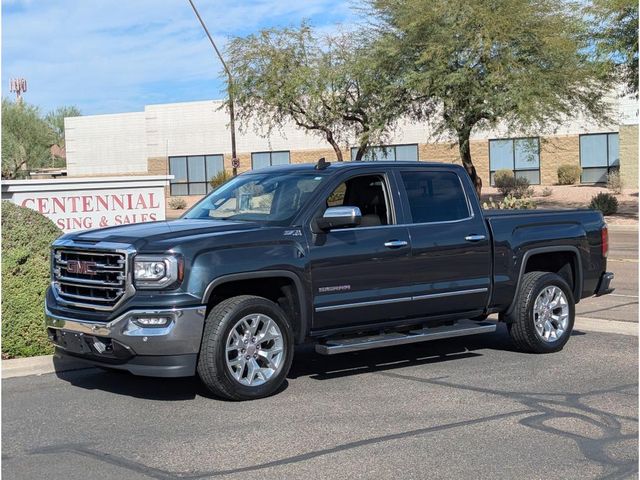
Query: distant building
x,y
191,141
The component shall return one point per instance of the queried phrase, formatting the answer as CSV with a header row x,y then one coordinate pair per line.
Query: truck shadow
x,y
306,363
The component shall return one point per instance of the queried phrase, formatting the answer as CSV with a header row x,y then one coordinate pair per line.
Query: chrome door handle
x,y
474,238
396,244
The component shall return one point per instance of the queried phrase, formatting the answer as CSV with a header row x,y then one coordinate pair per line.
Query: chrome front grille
x,y
90,279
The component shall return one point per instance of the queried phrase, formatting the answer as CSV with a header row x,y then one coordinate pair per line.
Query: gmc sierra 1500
x,y
349,256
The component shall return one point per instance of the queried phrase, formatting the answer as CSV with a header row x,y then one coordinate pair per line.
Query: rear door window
x,y
435,196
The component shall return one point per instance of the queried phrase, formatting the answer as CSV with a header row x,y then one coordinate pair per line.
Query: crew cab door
x,y
450,266
359,273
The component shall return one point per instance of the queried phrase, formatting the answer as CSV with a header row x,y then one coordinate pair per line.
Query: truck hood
x,y
150,233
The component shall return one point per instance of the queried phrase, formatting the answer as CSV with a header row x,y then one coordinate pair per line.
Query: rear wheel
x,y
544,314
247,348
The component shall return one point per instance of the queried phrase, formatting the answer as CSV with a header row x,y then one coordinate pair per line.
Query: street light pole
x,y
232,117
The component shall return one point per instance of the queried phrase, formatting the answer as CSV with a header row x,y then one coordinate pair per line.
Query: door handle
x,y
474,238
395,244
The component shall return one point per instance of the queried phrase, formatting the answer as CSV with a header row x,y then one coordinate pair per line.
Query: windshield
x,y
262,197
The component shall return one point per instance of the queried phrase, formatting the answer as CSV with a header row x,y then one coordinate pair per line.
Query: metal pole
x,y
232,119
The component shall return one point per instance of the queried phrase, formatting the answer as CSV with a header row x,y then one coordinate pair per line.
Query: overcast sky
x,y
109,56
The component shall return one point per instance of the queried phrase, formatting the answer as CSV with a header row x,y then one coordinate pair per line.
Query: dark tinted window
x,y
435,196
367,192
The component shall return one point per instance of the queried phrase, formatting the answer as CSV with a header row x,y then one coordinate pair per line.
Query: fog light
x,y
152,321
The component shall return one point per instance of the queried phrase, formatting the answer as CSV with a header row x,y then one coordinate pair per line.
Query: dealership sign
x,y
87,203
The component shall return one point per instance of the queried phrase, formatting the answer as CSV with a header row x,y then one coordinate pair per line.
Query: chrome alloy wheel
x,y
254,350
551,314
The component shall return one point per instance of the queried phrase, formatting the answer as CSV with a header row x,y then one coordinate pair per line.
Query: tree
x,y
26,139
615,31
327,86
55,120
522,63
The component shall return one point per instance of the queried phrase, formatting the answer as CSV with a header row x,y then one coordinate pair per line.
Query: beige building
x,y
191,141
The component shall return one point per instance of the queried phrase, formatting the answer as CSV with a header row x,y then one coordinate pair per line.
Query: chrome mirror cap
x,y
339,217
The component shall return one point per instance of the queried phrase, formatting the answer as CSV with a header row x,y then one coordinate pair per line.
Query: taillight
x,y
605,241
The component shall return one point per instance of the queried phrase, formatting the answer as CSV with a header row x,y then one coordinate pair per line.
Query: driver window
x,y
368,193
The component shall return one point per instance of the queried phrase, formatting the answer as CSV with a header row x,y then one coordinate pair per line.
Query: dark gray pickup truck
x,y
349,256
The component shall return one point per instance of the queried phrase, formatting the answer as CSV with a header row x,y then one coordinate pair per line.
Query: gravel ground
x,y
579,196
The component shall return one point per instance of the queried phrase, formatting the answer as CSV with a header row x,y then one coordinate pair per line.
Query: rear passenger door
x,y
450,269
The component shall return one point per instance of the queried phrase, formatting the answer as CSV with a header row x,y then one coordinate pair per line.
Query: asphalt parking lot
x,y
464,408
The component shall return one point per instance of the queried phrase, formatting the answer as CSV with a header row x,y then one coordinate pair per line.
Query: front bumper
x,y
604,285
169,351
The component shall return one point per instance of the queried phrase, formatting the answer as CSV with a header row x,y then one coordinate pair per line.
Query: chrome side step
x,y
354,344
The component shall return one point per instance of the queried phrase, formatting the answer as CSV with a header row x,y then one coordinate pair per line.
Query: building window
x,y
268,159
599,155
520,155
192,174
389,153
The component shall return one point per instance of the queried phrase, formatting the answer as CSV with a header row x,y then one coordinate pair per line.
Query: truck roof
x,y
335,165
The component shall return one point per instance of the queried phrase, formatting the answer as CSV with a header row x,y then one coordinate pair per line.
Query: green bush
x,y
26,238
510,203
221,177
605,202
501,176
177,203
547,192
615,182
509,185
569,174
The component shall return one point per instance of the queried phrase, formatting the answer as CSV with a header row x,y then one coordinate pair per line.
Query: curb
x,y
23,367
606,326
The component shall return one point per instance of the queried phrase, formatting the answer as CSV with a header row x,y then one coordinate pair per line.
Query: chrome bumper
x,y
181,337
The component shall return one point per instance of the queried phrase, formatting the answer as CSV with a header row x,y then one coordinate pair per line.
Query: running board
x,y
354,344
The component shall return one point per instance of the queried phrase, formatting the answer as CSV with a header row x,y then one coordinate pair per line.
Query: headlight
x,y
157,271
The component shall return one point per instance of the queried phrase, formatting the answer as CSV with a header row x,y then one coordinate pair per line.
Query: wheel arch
x,y
272,284
545,257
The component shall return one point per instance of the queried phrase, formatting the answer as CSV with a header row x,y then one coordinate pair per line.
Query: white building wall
x,y
122,143
202,128
106,144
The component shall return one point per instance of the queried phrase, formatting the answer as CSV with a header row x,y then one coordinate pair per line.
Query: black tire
x,y
212,368
521,323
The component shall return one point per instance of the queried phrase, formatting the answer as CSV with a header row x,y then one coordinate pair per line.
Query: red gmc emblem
x,y
81,267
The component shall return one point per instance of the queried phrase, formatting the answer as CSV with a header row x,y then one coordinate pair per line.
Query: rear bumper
x,y
604,285
168,351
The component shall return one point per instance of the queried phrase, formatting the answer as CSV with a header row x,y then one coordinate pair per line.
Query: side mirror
x,y
339,217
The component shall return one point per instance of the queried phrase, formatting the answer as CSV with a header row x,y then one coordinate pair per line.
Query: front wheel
x,y
543,317
247,348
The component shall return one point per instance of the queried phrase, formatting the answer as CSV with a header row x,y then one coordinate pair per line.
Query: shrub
x,y
501,176
510,203
569,174
508,185
605,202
547,192
615,182
219,178
177,203
26,237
